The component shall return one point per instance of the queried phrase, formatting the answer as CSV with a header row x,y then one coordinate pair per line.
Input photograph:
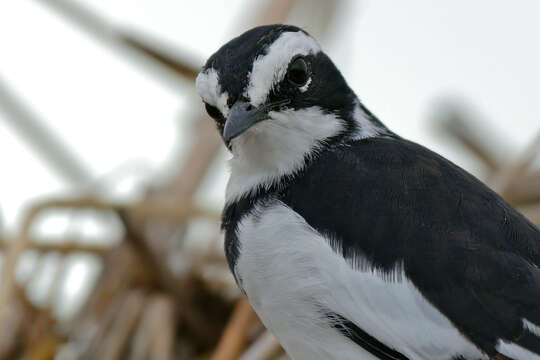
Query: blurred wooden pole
x,y
235,336
516,181
266,347
454,120
141,49
506,177
121,329
45,143
155,335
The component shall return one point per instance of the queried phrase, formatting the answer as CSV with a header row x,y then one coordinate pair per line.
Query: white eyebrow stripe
x,y
209,89
270,69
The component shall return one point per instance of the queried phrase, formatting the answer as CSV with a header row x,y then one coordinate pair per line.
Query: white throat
x,y
277,147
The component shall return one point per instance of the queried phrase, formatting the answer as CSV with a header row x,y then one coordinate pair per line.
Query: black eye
x,y
298,72
213,112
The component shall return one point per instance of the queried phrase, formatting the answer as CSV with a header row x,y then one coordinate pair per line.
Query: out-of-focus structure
x,y
158,295
142,305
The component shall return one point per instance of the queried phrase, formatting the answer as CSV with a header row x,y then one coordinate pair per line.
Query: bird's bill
x,y
242,116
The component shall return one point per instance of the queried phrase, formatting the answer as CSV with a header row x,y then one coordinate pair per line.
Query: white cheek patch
x,y
277,147
209,89
271,68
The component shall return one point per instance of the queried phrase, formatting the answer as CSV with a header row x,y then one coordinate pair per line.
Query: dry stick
x,y
525,189
266,347
157,53
106,321
178,194
167,281
507,180
201,156
9,286
95,318
154,209
169,70
54,288
45,347
17,247
13,252
532,212
124,324
12,327
70,246
504,180
458,126
235,339
284,357
162,342
155,330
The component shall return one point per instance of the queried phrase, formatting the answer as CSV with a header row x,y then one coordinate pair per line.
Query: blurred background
x,y
113,177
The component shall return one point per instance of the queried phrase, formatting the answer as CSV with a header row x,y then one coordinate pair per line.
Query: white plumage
x,y
291,275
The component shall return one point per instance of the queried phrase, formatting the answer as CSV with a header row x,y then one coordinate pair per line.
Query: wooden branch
x,y
455,122
181,189
532,212
266,347
123,326
46,143
107,297
134,47
162,344
524,190
152,209
504,179
284,357
43,348
21,243
160,53
235,338
203,325
154,338
11,327
69,247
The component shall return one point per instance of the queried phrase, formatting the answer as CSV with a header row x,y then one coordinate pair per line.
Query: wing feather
x,y
468,251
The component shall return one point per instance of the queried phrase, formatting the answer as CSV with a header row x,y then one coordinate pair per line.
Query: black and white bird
x,y
349,241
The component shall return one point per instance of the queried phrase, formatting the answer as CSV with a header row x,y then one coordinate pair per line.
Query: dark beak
x,y
241,117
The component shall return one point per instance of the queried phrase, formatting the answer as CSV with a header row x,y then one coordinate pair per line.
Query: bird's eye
x,y
298,72
213,112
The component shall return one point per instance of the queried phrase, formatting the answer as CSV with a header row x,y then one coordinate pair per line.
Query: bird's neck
x,y
278,149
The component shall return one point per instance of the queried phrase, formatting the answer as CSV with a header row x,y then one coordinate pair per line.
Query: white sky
x,y
399,56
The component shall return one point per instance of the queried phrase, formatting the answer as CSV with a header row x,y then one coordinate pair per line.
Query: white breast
x,y
290,274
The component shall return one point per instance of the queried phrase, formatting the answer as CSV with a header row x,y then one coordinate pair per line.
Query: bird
x,y
349,241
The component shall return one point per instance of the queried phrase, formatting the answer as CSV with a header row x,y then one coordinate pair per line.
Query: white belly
x,y
292,277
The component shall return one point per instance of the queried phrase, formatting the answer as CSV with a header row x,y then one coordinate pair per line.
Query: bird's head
x,y
276,99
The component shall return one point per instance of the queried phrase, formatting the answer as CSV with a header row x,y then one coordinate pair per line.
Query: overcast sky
x,y
400,57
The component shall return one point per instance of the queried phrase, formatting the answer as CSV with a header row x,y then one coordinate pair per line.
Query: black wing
x,y
468,251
